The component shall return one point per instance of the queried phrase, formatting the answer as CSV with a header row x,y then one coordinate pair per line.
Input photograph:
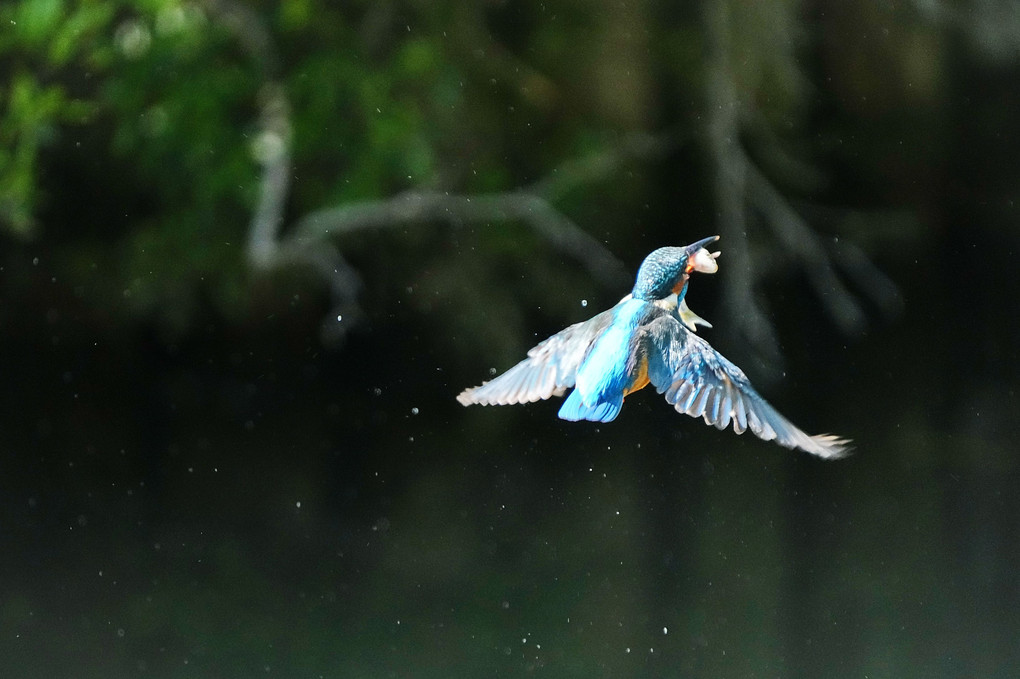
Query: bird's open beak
x,y
700,259
704,242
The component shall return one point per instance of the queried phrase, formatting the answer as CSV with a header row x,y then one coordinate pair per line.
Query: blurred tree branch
x,y
309,242
991,26
534,205
743,194
742,190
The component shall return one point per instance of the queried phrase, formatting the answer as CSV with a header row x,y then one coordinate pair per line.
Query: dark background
x,y
251,253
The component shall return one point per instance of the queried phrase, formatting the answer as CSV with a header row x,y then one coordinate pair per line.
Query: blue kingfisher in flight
x,y
649,338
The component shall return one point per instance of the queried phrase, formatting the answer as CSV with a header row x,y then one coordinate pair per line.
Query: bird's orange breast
x,y
640,380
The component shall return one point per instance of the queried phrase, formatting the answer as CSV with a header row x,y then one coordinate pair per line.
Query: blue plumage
x,y
606,374
648,337
574,408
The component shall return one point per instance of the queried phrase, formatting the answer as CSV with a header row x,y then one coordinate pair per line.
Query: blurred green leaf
x,y
35,21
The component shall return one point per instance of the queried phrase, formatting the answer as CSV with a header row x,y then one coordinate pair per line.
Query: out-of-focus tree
x,y
212,143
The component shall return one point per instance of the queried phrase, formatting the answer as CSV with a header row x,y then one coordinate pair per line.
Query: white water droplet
x,y
584,302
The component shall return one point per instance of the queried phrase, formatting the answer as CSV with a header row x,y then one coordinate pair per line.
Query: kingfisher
x,y
649,337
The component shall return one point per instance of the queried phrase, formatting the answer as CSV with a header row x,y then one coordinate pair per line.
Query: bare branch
x,y
272,149
878,287
741,187
730,184
433,206
800,240
309,242
990,25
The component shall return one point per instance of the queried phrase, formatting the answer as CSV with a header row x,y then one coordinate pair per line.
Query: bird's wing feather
x,y
699,381
549,369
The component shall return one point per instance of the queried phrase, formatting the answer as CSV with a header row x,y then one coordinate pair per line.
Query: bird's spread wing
x,y
699,381
549,369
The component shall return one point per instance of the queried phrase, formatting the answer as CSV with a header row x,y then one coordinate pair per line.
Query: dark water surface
x,y
247,502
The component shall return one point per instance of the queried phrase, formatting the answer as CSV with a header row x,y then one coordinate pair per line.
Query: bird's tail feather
x,y
574,409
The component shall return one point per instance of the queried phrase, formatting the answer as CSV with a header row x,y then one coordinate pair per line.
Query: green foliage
x,y
39,40
162,99
28,121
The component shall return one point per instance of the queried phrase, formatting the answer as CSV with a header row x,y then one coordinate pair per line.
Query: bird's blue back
x,y
610,369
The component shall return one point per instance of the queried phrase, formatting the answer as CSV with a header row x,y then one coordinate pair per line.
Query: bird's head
x,y
666,270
